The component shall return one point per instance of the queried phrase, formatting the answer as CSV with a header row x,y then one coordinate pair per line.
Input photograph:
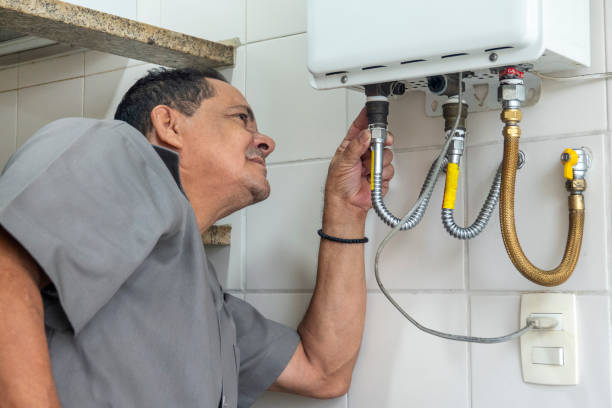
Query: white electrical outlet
x,y
549,356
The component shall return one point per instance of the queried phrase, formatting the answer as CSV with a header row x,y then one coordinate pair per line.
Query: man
x,y
107,224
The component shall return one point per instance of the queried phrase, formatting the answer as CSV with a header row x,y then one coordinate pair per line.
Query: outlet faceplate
x,y
549,356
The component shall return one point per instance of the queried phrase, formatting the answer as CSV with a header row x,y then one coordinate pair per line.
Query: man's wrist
x,y
342,219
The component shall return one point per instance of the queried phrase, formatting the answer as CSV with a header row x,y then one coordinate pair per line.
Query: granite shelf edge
x,y
86,28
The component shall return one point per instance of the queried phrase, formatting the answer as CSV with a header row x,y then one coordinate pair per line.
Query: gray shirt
x,y
135,315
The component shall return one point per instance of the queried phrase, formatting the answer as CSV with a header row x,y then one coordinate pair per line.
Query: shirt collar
x,y
171,160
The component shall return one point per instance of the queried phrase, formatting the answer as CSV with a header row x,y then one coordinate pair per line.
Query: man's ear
x,y
165,127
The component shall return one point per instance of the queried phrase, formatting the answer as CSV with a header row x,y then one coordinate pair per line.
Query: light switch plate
x,y
535,342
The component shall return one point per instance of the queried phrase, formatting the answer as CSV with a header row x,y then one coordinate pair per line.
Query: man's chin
x,y
260,193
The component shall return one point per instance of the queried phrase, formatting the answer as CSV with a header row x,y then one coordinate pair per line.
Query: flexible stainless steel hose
x,y
483,217
417,216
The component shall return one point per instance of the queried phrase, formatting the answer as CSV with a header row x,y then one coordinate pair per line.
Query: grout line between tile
x,y
274,38
138,64
469,352
52,82
83,89
16,117
316,160
535,139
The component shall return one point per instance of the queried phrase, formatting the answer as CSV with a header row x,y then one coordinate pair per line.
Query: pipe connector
x,y
457,144
511,116
445,84
511,92
378,134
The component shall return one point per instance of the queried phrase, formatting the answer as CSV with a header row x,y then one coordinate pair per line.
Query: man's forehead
x,y
227,93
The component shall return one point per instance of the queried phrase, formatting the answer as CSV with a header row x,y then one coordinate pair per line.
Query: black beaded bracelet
x,y
342,240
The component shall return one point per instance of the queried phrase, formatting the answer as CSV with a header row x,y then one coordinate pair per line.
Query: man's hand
x,y
331,331
348,178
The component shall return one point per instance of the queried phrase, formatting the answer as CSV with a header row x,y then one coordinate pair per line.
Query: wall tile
x,y
96,62
288,309
425,257
227,260
281,233
496,368
237,74
541,217
9,79
103,92
49,70
39,105
208,19
8,118
355,102
305,123
608,29
149,11
122,8
400,365
282,400
274,18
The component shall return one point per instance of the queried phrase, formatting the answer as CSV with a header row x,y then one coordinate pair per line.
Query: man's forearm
x,y
333,326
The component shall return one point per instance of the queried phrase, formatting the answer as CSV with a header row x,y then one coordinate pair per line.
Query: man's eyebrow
x,y
247,108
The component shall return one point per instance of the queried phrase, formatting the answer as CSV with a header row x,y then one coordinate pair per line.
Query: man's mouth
x,y
258,160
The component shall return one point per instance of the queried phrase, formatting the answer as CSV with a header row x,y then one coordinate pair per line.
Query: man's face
x,y
222,150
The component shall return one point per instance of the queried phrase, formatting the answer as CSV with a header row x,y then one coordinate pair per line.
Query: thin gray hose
x,y
428,188
483,217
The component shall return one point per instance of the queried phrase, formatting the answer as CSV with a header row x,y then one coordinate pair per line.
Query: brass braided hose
x,y
561,273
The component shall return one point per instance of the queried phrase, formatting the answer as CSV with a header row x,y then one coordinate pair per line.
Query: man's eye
x,y
243,117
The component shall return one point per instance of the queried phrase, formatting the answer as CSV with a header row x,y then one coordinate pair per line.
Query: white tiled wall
x,y
447,284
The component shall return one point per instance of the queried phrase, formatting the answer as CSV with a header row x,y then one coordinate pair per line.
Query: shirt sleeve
x,y
265,349
88,200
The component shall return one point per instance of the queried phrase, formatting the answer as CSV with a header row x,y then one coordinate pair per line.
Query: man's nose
x,y
264,143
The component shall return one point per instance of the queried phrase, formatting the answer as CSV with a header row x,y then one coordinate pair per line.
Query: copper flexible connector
x,y
542,277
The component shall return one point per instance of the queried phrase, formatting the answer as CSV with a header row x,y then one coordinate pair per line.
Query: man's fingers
x,y
388,172
360,123
358,146
385,187
389,139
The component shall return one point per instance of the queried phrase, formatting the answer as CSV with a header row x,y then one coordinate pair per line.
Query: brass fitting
x,y
512,131
576,185
511,115
575,202
449,112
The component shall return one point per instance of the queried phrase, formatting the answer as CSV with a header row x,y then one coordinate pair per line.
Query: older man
x,y
106,296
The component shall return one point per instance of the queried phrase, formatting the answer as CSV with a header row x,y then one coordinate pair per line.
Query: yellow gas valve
x,y
569,158
575,162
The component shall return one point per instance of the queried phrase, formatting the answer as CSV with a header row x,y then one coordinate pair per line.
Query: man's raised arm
x,y
26,379
332,328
